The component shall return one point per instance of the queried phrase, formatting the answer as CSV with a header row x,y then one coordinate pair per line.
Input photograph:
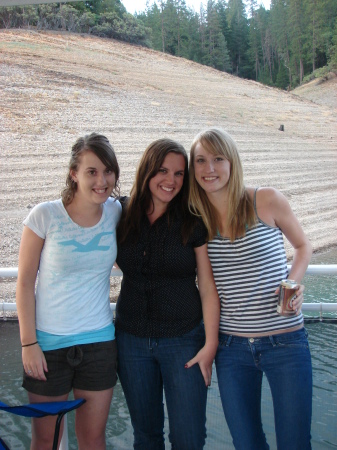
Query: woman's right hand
x,y
34,362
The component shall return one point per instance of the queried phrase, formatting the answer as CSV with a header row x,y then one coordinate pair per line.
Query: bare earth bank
x,y
55,87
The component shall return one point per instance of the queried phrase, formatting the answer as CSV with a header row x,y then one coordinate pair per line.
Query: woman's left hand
x,y
204,358
297,302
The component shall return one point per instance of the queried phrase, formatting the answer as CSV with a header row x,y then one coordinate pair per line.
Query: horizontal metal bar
x,y
321,307
12,272
324,269
313,269
320,269
306,307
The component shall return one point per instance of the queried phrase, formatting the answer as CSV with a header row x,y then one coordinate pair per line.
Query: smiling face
x,y
168,181
212,171
95,182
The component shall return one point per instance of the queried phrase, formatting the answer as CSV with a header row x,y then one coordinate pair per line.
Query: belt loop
x,y
272,341
229,340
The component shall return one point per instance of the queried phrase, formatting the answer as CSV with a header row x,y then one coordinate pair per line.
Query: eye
x,y
219,158
180,174
199,160
92,172
109,171
161,170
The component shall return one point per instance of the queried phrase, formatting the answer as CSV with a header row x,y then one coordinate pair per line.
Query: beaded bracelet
x,y
28,345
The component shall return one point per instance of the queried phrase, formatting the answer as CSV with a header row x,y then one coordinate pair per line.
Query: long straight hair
x,y
240,209
140,199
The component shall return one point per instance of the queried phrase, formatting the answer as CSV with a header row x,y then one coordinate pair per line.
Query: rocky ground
x,y
55,87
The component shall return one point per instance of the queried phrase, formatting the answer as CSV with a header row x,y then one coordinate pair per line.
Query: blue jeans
x,y
146,366
285,360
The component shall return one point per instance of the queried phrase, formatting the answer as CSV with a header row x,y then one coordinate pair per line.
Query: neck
x,y
219,200
85,215
156,212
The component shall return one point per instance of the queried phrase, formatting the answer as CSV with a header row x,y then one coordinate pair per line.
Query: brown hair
x,y
240,212
141,199
101,147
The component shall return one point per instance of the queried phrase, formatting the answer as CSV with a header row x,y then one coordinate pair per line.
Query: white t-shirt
x,y
73,286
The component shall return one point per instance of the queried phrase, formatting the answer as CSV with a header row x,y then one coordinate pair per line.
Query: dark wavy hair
x,y
140,199
101,147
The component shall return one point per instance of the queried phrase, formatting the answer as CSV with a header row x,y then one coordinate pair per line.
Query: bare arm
x,y
275,209
29,258
211,314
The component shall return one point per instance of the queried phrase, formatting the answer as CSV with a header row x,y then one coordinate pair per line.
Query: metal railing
x,y
313,269
326,269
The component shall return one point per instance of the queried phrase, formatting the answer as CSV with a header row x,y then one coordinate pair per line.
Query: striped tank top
x,y
246,272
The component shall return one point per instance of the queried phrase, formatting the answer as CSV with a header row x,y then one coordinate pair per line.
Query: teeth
x,y
167,189
210,178
99,191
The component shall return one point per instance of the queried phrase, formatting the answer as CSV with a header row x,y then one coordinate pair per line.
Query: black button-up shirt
x,y
159,296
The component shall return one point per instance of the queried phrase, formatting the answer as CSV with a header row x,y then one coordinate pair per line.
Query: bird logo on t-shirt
x,y
90,246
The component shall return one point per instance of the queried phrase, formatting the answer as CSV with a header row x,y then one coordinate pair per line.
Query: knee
x,y
43,435
41,443
89,442
148,441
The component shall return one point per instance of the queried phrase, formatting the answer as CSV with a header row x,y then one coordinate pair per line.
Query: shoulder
x,y
113,204
264,195
113,208
41,216
271,198
270,204
45,208
199,232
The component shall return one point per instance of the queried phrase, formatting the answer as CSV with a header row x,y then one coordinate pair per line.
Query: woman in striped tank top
x,y
245,233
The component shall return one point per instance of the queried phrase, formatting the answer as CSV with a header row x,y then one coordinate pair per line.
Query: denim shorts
x,y
89,367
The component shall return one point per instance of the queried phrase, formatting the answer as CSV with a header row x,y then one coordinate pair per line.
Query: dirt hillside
x,y
55,87
321,90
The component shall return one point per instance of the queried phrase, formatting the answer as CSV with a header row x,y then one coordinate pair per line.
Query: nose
x,y
102,179
170,177
210,166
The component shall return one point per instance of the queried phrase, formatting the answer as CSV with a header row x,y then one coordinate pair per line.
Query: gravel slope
x,y
55,87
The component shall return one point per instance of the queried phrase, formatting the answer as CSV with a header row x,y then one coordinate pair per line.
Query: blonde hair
x,y
240,209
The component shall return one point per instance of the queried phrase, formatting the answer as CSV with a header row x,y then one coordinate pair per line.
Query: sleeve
x,y
38,220
118,210
199,235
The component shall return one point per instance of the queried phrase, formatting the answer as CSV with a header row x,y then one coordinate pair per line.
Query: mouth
x,y
100,191
209,178
166,189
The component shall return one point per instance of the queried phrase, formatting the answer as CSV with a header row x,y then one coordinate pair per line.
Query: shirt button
x,y
251,340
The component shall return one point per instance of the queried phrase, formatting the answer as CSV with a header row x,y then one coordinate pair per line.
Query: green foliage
x,y
282,78
281,47
322,72
333,52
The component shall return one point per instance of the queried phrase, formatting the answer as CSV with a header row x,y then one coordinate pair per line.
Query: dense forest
x,y
292,42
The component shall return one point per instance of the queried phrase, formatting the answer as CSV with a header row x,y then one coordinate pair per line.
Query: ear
x,y
73,175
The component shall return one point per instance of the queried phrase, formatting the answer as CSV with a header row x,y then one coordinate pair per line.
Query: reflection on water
x,y
323,343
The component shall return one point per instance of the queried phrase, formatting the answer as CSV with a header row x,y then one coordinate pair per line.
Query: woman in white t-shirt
x,y
67,250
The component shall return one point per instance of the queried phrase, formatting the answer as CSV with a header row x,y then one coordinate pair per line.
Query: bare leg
x,y
91,418
43,428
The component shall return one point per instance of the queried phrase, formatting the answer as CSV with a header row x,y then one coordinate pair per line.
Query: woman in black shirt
x,y
162,342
